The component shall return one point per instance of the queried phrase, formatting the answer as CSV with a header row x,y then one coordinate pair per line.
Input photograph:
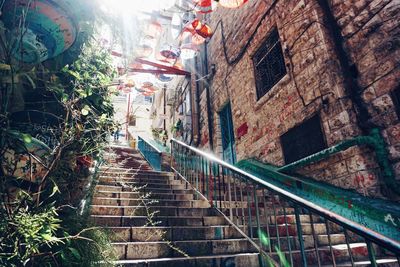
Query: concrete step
x,y
142,211
383,262
164,181
143,189
150,202
114,170
134,234
163,249
138,183
224,260
160,196
283,230
115,220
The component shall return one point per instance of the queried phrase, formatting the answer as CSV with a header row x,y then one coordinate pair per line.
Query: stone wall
x,y
314,82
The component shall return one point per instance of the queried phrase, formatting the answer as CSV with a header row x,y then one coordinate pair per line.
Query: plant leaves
x,y
27,138
75,253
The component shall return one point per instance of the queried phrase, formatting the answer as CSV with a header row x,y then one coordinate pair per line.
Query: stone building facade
x,y
339,73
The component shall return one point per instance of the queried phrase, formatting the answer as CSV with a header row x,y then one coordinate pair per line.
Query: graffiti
x,y
45,133
287,109
362,181
389,218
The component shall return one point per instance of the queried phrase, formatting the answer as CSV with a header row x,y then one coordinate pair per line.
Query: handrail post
x,y
300,235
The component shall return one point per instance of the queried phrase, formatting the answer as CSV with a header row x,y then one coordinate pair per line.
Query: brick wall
x,y
313,83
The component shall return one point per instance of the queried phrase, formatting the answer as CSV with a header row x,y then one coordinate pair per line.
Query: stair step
x,y
114,194
384,262
150,202
161,249
174,233
142,211
114,220
237,260
143,189
174,186
142,180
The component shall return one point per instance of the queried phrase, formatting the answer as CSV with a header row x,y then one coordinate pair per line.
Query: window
x,y
303,140
269,64
396,100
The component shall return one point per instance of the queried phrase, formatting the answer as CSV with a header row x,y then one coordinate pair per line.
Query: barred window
x,y
303,140
395,94
269,64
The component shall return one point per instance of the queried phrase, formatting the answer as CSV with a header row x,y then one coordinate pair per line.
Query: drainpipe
x,y
348,68
197,90
374,140
209,113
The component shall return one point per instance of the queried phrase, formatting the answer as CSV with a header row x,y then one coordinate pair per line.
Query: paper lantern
x,y
129,83
232,3
153,29
189,51
164,78
144,50
170,52
201,29
147,85
203,6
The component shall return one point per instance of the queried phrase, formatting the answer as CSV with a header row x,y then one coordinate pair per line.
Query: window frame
x,y
261,92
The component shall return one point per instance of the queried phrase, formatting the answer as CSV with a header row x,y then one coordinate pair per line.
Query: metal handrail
x,y
152,154
150,144
361,230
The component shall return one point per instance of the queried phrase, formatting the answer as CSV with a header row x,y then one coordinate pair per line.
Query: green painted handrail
x,y
374,140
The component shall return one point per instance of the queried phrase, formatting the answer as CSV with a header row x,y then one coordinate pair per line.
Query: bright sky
x,y
130,7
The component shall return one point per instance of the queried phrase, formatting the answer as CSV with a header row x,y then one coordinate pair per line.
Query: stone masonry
x,y
314,83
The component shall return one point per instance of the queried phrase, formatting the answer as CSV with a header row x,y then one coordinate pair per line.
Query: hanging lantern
x,y
199,32
170,52
147,94
201,29
203,6
126,90
189,51
231,3
147,85
153,29
144,50
164,78
130,83
139,90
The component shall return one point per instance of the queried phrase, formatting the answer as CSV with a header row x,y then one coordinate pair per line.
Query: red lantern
x,y
154,29
170,52
144,51
189,51
232,3
203,6
201,29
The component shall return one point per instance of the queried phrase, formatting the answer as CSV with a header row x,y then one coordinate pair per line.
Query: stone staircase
x,y
158,221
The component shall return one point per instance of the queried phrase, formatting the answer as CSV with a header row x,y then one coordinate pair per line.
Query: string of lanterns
x,y
192,34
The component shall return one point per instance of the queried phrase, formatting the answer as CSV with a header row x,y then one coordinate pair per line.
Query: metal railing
x,y
286,228
152,154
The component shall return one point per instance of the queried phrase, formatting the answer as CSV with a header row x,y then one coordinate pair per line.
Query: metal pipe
x,y
374,140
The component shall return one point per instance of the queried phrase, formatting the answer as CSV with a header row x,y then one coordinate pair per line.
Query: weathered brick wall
x,y
371,30
313,83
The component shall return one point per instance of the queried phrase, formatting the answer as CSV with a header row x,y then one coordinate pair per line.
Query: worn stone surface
x,y
313,84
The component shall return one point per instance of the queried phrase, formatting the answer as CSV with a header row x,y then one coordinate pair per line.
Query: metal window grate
x,y
303,140
269,64
395,94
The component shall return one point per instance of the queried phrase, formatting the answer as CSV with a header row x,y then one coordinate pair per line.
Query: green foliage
x,y
39,221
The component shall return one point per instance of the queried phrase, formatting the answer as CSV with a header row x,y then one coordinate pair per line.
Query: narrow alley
x,y
199,133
